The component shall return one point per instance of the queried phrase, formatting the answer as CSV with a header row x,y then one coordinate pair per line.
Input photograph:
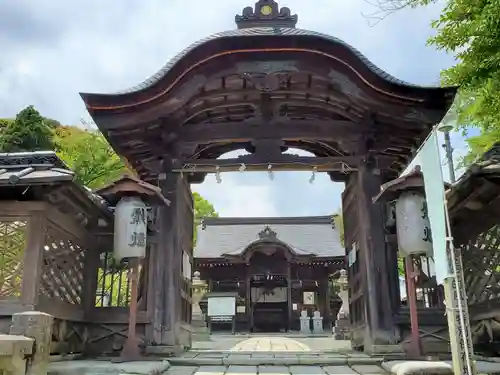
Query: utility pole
x,y
454,288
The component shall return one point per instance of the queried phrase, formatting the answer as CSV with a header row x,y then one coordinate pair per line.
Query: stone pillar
x,y
38,326
305,325
342,323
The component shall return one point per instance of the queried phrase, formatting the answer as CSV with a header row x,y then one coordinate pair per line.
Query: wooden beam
x,y
277,129
281,163
281,159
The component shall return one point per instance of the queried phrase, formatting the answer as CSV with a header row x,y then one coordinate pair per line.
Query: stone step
x,y
274,359
157,368
94,367
279,370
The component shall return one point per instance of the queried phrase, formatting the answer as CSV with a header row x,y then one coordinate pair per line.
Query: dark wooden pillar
x,y
326,306
248,299
379,320
171,226
289,294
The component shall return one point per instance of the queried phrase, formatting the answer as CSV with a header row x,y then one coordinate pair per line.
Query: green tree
x,y
479,144
202,208
470,29
89,155
4,123
339,225
28,132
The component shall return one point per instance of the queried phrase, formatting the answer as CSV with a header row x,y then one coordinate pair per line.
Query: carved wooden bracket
x,y
268,82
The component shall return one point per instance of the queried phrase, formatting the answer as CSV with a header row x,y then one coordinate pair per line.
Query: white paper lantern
x,y
130,228
413,226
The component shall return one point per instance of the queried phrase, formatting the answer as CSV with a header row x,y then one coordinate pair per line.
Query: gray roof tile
x,y
26,168
304,235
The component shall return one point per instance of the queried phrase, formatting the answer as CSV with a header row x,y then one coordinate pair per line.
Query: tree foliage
x,y
28,132
479,144
202,208
339,225
469,29
85,151
4,123
90,155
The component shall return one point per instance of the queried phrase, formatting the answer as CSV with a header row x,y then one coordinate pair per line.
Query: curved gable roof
x,y
312,236
199,52
264,31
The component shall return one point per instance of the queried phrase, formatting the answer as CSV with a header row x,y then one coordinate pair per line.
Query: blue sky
x,y
54,49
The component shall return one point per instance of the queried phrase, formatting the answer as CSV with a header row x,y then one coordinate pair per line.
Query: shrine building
x,y
277,266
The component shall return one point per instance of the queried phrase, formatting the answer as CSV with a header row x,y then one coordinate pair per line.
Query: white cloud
x,y
53,50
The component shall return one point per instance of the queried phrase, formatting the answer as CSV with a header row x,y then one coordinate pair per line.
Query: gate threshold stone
x,y
274,359
94,367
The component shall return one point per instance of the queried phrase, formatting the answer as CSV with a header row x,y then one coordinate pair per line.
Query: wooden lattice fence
x,y
12,246
481,259
62,274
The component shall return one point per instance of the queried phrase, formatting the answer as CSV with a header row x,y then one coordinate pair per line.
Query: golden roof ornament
x,y
266,13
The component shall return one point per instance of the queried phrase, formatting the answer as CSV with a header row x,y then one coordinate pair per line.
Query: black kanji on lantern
x,y
424,210
427,234
138,216
137,239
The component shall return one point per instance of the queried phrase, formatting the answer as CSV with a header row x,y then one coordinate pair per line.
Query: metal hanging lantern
x,y
413,226
130,228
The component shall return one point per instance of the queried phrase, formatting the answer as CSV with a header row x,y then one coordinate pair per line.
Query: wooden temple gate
x,y
265,87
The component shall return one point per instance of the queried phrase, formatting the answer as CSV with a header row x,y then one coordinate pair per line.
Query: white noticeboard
x,y
221,306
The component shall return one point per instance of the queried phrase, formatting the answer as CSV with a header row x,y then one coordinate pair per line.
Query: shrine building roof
x,y
28,168
314,236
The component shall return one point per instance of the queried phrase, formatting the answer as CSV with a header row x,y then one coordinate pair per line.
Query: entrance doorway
x,y
269,303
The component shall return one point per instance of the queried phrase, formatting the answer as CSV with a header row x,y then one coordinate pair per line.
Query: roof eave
x,y
91,99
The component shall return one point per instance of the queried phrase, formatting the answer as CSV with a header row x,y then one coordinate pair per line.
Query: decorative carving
x,y
267,67
268,82
266,14
31,159
268,234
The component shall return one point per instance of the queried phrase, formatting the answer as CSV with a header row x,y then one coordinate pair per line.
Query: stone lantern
x,y
198,319
342,323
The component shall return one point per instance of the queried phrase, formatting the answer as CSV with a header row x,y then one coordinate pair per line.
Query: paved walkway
x,y
270,344
280,343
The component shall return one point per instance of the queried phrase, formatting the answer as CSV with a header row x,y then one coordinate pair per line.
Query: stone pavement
x,y
293,342
277,370
272,358
266,355
270,344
